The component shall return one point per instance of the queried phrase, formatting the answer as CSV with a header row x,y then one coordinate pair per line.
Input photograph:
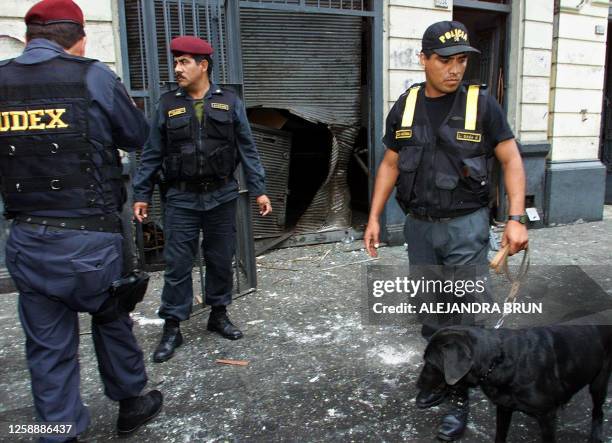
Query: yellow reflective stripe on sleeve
x,y
471,107
410,107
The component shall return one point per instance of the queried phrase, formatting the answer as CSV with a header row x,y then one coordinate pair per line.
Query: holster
x,y
130,290
163,184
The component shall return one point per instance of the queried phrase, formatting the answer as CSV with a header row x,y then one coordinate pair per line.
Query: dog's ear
x,y
457,357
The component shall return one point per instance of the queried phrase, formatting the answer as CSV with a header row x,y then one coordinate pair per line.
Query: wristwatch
x,y
522,219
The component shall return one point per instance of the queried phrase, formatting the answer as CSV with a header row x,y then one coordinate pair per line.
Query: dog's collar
x,y
492,366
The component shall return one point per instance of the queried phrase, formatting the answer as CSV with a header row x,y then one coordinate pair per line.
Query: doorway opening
x,y
487,30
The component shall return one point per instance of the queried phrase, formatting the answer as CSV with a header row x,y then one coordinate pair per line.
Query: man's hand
x,y
371,238
265,207
141,210
383,186
515,235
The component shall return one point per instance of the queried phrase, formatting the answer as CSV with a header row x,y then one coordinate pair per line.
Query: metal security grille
x,y
352,5
204,19
310,65
151,25
274,148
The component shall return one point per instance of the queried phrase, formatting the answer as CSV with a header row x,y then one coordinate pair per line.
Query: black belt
x,y
201,186
96,223
431,218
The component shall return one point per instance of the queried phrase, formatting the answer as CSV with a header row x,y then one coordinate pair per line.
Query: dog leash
x,y
500,264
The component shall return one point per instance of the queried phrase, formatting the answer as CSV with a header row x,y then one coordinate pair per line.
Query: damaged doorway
x,y
487,23
306,81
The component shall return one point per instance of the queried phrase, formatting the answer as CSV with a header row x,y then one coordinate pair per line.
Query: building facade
x,y
550,75
544,60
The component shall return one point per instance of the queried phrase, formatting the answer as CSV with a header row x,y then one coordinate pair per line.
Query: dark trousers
x,y
59,273
455,249
182,230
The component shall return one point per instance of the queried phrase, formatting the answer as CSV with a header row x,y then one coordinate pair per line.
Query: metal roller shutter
x,y
309,64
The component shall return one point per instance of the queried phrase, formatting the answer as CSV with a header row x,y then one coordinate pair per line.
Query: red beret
x,y
190,45
47,12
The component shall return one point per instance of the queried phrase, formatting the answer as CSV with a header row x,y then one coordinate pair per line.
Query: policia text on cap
x,y
441,136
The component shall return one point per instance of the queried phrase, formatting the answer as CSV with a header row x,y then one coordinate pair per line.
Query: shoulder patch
x,y
403,133
176,111
219,106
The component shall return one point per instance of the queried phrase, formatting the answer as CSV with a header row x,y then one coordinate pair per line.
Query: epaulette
x,y
422,84
473,82
77,58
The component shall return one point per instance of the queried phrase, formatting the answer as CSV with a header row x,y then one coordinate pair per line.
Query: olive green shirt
x,y
198,107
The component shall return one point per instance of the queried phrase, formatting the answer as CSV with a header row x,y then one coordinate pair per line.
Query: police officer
x,y
199,134
441,136
61,118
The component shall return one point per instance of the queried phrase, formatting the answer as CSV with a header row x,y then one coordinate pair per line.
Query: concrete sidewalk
x,y
315,372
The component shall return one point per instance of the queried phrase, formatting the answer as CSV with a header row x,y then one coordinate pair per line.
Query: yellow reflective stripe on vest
x,y
408,116
471,107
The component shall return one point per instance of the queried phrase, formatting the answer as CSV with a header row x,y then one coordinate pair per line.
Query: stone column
x,y
575,179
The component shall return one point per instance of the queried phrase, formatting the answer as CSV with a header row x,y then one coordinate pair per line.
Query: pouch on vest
x,y
222,161
408,163
446,184
219,125
189,160
178,129
172,166
475,173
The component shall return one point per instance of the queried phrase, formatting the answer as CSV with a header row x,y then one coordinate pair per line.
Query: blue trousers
x,y
59,273
182,231
455,250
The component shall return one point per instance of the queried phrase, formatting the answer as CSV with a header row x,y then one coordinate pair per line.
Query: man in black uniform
x,y
62,117
200,133
440,137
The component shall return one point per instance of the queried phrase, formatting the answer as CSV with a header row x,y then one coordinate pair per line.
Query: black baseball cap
x,y
447,38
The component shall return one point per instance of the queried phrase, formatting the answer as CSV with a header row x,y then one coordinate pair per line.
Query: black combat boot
x,y
219,322
171,339
136,411
455,421
431,399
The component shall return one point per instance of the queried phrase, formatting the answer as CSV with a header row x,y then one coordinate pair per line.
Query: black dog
x,y
533,370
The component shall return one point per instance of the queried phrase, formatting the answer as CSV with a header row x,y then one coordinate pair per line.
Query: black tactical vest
x,y
443,174
47,159
194,151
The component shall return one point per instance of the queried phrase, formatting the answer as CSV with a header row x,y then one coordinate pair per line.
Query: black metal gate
x,y
148,26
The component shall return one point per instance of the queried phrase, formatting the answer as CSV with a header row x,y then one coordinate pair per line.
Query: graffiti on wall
x,y
404,58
